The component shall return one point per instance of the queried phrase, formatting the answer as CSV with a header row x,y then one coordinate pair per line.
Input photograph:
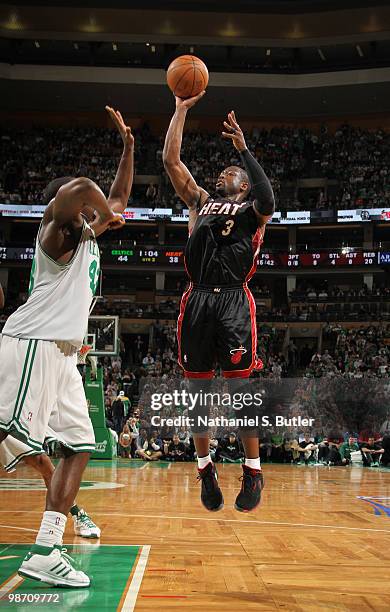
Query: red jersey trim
x,y
183,304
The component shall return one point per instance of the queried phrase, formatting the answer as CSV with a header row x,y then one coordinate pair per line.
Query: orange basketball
x,y
187,76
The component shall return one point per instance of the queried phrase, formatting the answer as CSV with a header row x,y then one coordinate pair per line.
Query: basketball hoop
x,y
82,354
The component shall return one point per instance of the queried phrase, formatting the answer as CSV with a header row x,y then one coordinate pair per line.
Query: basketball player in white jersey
x,y
40,386
11,448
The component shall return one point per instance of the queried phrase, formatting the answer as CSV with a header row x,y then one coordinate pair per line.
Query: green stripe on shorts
x,y
16,460
17,415
23,375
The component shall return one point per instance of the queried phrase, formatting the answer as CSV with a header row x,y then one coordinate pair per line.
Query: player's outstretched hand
x,y
123,129
188,102
234,132
116,222
110,222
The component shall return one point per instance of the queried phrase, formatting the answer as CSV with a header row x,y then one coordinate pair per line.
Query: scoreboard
x,y
16,253
321,259
173,257
158,256
167,257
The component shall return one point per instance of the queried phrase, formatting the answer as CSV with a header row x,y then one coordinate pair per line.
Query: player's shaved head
x,y
243,175
51,189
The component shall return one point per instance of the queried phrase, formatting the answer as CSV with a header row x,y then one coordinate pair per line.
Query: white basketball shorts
x,y
41,397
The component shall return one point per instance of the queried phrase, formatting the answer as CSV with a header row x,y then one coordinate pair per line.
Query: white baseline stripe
x,y
20,528
248,522
201,518
84,544
11,584
131,595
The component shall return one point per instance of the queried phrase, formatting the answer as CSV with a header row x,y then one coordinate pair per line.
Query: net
x,y
82,354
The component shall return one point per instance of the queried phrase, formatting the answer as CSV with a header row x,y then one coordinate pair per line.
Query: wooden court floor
x,y
320,540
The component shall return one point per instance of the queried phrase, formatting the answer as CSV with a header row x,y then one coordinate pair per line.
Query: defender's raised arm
x,y
123,182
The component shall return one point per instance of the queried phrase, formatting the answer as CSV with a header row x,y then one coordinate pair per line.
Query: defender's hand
x,y
234,132
112,221
188,102
123,129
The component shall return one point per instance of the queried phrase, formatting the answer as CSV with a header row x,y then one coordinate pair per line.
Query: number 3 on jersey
x,y
229,226
94,271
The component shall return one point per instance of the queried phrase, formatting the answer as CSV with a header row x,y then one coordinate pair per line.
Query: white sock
x,y
203,461
52,529
254,464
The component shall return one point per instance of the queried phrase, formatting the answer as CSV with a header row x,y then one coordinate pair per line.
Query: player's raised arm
x,y
77,197
261,189
123,182
181,178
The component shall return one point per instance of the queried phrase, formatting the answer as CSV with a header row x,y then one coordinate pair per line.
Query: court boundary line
x,y
136,581
204,518
10,585
81,544
241,521
20,528
131,596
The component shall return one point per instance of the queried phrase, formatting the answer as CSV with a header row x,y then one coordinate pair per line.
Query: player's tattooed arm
x,y
2,299
123,182
181,178
261,189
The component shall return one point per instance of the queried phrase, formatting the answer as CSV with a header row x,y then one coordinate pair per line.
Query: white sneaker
x,y
56,569
84,526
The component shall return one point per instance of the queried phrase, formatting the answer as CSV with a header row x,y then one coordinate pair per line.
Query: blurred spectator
x,y
229,450
125,442
371,452
343,454
176,450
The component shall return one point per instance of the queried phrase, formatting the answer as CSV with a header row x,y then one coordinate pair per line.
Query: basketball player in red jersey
x,y
217,321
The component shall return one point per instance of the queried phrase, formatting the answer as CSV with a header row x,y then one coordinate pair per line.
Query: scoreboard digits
x,y
16,253
167,257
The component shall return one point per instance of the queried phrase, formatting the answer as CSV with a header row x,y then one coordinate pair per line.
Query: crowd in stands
x,y
31,158
136,439
356,159
306,303
358,353
309,310
306,292
305,449
357,361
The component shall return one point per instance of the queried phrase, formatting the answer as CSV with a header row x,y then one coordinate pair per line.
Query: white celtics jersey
x,y
60,295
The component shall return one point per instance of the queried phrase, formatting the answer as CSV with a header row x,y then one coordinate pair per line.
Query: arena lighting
x,y
321,54
13,23
268,52
114,47
359,50
153,49
147,44
91,26
36,43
